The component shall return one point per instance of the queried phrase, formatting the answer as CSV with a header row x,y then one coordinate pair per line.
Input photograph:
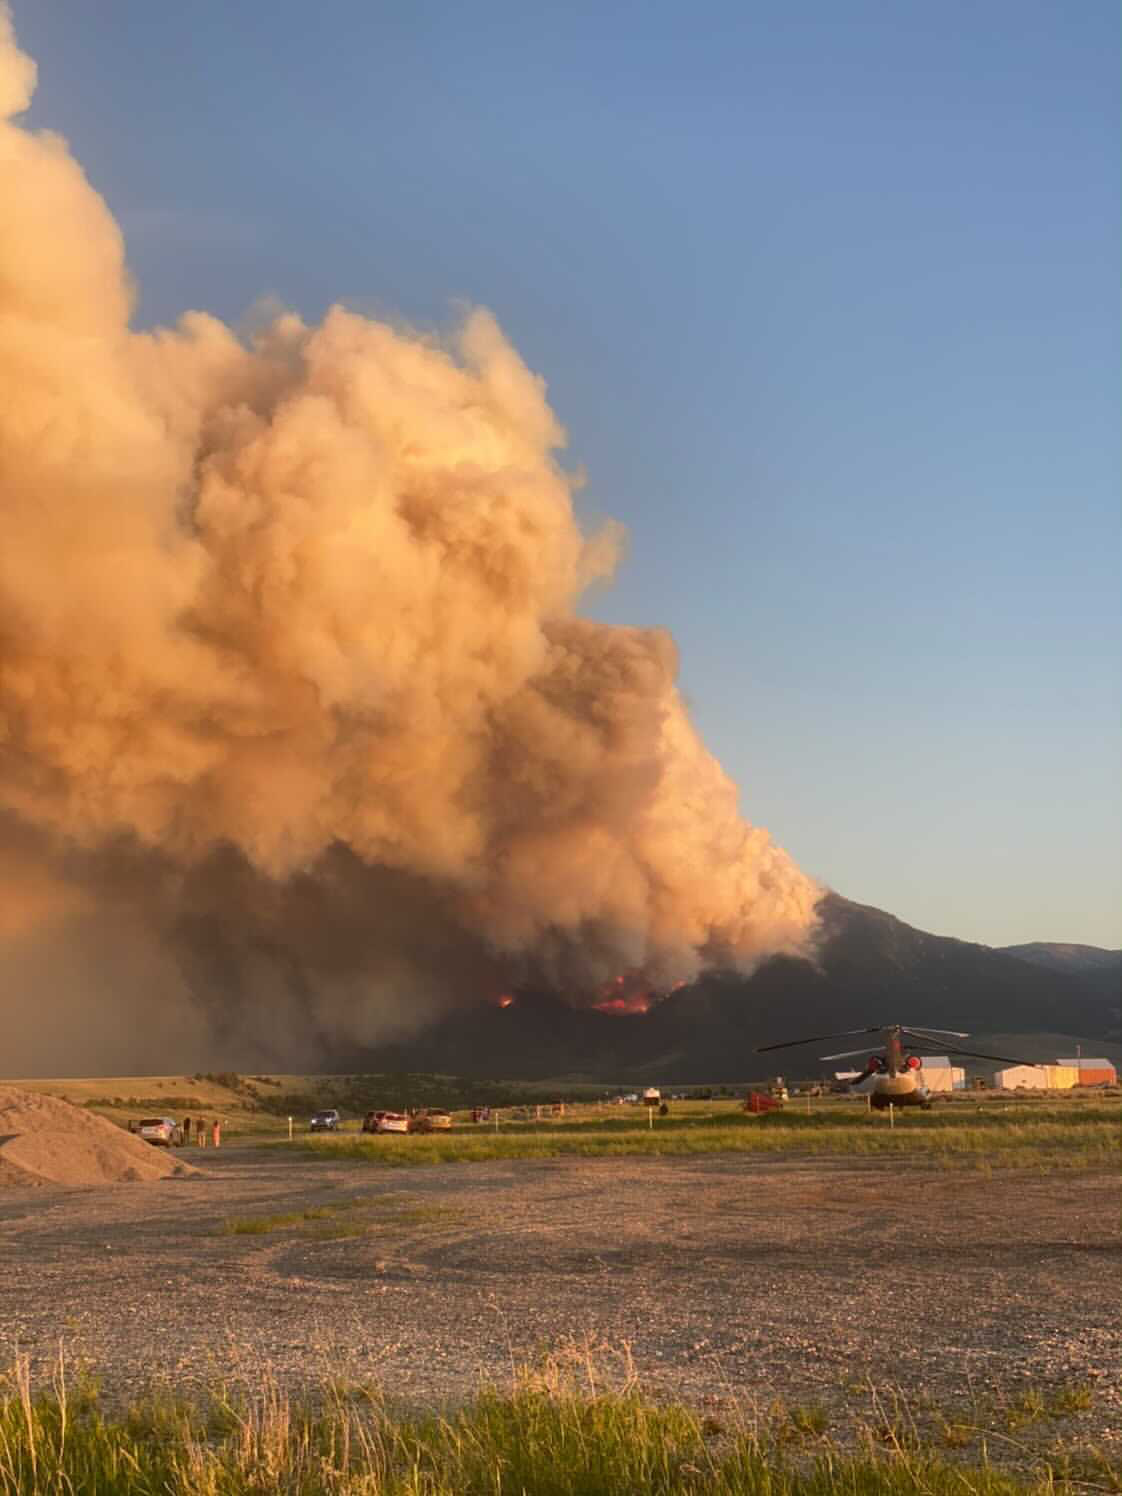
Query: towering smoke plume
x,y
299,731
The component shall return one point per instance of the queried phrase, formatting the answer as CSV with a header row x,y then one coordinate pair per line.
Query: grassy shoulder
x,y
1045,1137
546,1436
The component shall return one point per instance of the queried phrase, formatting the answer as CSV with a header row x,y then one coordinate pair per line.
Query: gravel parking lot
x,y
727,1276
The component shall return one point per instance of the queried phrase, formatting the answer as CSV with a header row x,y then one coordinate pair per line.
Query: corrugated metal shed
x,y
1092,1071
1037,1077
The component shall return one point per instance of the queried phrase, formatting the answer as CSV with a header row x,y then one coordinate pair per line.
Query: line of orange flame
x,y
613,998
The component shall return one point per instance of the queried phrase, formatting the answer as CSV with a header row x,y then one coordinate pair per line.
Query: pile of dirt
x,y
46,1141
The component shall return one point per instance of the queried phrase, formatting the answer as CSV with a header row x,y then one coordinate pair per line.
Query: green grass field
x,y
983,1136
547,1436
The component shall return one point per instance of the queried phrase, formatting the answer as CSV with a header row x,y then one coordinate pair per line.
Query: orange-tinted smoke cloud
x,y
314,594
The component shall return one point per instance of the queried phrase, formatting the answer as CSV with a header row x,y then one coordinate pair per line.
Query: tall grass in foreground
x,y
1039,1141
540,1439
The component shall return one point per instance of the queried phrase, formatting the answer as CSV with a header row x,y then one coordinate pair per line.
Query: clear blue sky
x,y
827,296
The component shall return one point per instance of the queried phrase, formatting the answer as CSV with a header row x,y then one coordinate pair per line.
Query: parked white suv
x,y
161,1131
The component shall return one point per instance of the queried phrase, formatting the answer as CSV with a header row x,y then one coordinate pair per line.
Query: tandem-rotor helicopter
x,y
894,1072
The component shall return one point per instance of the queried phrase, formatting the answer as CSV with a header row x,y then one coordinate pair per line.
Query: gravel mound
x,y
45,1141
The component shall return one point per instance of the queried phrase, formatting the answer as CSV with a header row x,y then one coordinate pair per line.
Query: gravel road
x,y
729,1277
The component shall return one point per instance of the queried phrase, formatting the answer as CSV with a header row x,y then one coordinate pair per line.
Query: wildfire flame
x,y
639,1002
618,998
625,994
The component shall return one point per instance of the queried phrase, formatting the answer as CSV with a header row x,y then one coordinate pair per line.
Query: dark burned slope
x,y
872,968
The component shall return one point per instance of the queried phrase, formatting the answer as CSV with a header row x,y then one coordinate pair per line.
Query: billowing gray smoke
x,y
300,736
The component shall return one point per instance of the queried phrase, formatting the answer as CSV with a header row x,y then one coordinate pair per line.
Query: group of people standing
x,y
201,1132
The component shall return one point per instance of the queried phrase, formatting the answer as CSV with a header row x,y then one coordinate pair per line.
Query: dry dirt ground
x,y
729,1277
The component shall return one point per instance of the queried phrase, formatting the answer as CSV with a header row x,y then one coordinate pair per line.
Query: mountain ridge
x,y
869,968
1061,956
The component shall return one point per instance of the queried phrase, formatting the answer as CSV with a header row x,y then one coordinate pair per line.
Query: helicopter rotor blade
x,y
928,1038
931,1033
973,1054
848,1054
821,1038
1004,1059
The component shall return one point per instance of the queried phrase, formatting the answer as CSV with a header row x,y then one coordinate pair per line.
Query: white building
x,y
938,1074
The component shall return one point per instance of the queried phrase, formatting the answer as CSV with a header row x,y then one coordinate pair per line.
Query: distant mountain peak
x,y
1060,956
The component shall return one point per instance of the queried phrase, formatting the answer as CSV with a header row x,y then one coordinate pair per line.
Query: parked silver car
x,y
326,1121
161,1131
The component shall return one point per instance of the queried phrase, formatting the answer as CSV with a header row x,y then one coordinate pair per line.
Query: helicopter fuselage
x,y
897,1090
893,1079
